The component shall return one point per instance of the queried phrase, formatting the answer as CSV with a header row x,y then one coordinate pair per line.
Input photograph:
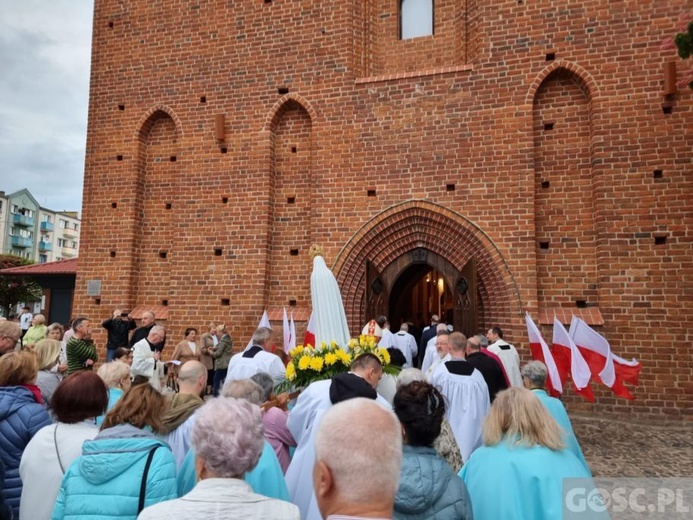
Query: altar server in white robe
x,y
507,354
467,394
305,418
256,359
406,343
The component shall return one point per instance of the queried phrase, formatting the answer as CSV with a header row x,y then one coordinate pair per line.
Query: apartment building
x,y
36,233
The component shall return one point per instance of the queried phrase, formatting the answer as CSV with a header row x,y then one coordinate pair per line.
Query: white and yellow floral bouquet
x,y
308,364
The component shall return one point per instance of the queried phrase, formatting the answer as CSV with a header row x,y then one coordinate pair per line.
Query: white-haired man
x,y
146,361
353,478
256,359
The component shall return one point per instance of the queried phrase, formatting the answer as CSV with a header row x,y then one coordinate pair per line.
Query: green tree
x,y
15,289
683,43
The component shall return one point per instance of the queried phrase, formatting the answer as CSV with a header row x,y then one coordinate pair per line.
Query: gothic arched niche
x,y
564,212
291,145
157,172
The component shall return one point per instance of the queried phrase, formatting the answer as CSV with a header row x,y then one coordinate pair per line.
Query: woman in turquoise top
x,y
519,471
125,468
116,375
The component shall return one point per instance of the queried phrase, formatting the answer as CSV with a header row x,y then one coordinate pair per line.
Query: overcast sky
x,y
45,48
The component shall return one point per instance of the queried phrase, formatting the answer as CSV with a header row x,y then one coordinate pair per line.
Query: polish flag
x,y
541,352
287,332
264,322
309,336
597,353
564,347
292,332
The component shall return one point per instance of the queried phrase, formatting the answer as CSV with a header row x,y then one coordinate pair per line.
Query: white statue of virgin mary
x,y
329,318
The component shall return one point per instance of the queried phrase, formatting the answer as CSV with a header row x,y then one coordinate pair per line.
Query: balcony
x,y
47,226
45,246
70,233
21,242
68,252
21,220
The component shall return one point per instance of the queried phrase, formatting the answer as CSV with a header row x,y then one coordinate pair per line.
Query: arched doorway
x,y
390,255
419,292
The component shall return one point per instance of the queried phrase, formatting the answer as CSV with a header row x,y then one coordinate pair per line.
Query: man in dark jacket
x,y
118,327
426,335
143,331
489,367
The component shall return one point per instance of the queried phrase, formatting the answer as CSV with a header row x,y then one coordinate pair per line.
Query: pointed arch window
x,y
416,18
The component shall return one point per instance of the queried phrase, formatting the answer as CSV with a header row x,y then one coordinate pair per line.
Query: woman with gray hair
x,y
534,376
445,445
266,478
227,440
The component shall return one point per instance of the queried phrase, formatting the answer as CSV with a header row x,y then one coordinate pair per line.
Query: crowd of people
x,y
203,433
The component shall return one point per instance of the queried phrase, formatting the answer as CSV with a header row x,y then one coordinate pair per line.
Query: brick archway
x,y
420,224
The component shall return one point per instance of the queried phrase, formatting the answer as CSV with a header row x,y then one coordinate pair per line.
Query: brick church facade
x,y
518,156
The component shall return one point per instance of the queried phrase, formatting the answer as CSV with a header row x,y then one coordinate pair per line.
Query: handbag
x,y
143,484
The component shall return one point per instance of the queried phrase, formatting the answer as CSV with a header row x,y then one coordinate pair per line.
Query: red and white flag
x,y
292,332
541,352
264,322
564,347
287,332
309,336
596,351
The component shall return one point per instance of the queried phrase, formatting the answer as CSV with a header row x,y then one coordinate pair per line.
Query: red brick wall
x,y
406,136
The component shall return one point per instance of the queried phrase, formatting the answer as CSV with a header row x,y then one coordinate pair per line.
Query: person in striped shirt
x,y
81,351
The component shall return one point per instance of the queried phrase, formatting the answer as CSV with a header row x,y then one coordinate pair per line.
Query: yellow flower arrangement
x,y
308,364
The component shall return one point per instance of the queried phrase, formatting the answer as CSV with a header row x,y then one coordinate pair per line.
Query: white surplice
x,y
430,355
303,423
510,359
246,367
387,340
144,364
468,403
406,343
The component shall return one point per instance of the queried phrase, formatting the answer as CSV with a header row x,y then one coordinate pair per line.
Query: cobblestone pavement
x,y
618,448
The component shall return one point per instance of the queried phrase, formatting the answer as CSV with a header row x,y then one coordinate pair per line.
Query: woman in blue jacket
x,y
21,417
125,468
428,487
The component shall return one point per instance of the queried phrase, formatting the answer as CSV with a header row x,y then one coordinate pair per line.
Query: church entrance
x,y
421,283
417,259
418,293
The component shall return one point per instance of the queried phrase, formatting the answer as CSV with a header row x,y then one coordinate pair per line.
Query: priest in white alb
x,y
507,354
466,393
314,401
